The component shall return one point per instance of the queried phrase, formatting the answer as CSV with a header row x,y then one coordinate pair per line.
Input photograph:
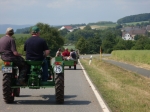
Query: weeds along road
x,y
125,66
79,97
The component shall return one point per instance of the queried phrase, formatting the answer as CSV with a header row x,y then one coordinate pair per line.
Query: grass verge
x,y
123,91
139,58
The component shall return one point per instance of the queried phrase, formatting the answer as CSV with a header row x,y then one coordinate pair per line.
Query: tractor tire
x,y
59,88
74,67
8,95
17,92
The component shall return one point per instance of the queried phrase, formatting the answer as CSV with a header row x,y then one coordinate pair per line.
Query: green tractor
x,y
10,74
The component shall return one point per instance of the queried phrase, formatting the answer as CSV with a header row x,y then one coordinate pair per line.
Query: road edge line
x,y
98,96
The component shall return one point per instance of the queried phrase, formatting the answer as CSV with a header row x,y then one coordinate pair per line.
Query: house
x,y
128,33
69,28
127,36
126,29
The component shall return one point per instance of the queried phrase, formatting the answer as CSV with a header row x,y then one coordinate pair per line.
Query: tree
x,y
94,45
109,42
118,26
63,32
52,37
88,27
82,45
123,44
142,43
120,45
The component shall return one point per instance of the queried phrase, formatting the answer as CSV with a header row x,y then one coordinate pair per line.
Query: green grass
x,y
123,91
132,56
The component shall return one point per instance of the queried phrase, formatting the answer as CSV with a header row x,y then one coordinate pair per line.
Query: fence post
x,y
90,60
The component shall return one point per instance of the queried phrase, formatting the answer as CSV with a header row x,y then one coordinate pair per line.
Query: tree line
x,y
134,18
23,31
89,41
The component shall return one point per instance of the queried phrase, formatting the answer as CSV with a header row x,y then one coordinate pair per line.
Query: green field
x,y
138,57
18,35
134,23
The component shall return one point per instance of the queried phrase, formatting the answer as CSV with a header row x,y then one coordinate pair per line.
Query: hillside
x,y
135,18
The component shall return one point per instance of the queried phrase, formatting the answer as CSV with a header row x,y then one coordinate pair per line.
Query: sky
x,y
65,12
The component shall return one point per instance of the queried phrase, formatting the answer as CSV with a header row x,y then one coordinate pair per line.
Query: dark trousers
x,y
22,65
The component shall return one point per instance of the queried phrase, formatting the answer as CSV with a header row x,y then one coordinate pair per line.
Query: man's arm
x,y
16,53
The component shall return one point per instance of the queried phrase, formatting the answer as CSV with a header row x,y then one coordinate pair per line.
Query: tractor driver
x,y
35,46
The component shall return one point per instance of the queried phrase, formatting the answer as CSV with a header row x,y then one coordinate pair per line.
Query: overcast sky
x,y
60,12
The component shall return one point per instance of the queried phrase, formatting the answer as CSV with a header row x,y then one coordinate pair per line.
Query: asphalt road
x,y
79,97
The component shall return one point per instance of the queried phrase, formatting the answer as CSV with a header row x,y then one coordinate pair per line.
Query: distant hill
x,y
3,27
135,18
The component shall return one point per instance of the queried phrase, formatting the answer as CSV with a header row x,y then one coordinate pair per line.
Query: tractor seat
x,y
31,62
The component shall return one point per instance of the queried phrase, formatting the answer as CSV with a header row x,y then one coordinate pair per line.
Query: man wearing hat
x,y
36,49
8,47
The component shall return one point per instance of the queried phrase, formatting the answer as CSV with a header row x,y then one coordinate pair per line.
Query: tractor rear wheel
x,y
59,88
8,95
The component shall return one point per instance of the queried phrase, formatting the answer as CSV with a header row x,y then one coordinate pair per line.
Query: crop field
x,y
101,27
